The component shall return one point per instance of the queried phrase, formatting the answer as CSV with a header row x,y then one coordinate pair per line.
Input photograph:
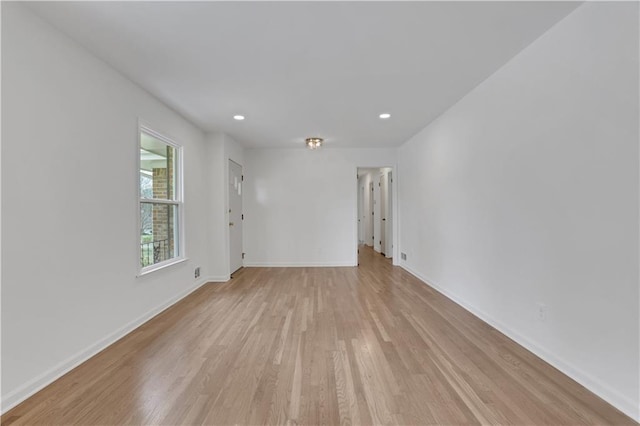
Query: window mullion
x,y
158,201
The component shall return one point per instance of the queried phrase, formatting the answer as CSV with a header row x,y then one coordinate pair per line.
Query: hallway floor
x,y
365,345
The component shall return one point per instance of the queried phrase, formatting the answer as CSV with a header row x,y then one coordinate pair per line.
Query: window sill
x,y
158,266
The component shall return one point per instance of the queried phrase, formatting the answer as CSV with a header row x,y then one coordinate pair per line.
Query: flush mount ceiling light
x,y
313,143
385,115
238,117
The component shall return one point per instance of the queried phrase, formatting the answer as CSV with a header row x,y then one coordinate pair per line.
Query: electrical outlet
x,y
197,272
543,312
403,256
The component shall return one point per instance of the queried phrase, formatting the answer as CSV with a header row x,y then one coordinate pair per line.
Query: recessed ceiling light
x,y
238,117
385,115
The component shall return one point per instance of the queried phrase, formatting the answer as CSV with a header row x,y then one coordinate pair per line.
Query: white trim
x,y
161,265
39,382
149,129
218,279
604,391
298,264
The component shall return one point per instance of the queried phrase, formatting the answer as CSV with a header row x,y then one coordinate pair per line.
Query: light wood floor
x,y
366,345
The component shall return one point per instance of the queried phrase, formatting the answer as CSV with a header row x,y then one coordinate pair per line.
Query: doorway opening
x,y
375,209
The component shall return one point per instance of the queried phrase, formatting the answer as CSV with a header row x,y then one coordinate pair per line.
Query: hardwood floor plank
x,y
316,346
345,389
378,399
283,337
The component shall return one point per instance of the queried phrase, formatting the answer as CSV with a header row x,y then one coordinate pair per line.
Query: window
x,y
160,201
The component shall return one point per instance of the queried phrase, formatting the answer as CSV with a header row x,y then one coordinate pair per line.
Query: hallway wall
x,y
525,193
301,205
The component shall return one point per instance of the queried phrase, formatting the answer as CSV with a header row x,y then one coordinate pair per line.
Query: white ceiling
x,y
300,69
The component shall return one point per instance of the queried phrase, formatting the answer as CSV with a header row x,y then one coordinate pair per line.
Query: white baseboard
x,y
297,264
39,382
612,396
218,279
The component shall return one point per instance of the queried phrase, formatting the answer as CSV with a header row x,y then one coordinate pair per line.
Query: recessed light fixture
x,y
385,115
238,117
313,143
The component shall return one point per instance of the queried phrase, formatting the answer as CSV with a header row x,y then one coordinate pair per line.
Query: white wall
x,y
220,149
386,211
215,193
69,205
526,192
300,205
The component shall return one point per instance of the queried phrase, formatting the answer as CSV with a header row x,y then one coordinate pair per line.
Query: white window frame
x,y
178,201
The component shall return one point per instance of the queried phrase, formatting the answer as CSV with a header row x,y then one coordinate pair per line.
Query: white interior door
x,y
370,214
361,215
383,213
235,216
389,216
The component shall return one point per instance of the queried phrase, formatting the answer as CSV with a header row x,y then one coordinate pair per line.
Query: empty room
x,y
281,213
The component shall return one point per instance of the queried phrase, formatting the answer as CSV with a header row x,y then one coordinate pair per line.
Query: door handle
x,y
230,223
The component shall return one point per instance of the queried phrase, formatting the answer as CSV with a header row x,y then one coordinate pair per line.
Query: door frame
x,y
393,205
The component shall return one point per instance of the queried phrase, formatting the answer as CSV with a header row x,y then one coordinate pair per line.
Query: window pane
x,y
157,168
158,233
146,186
